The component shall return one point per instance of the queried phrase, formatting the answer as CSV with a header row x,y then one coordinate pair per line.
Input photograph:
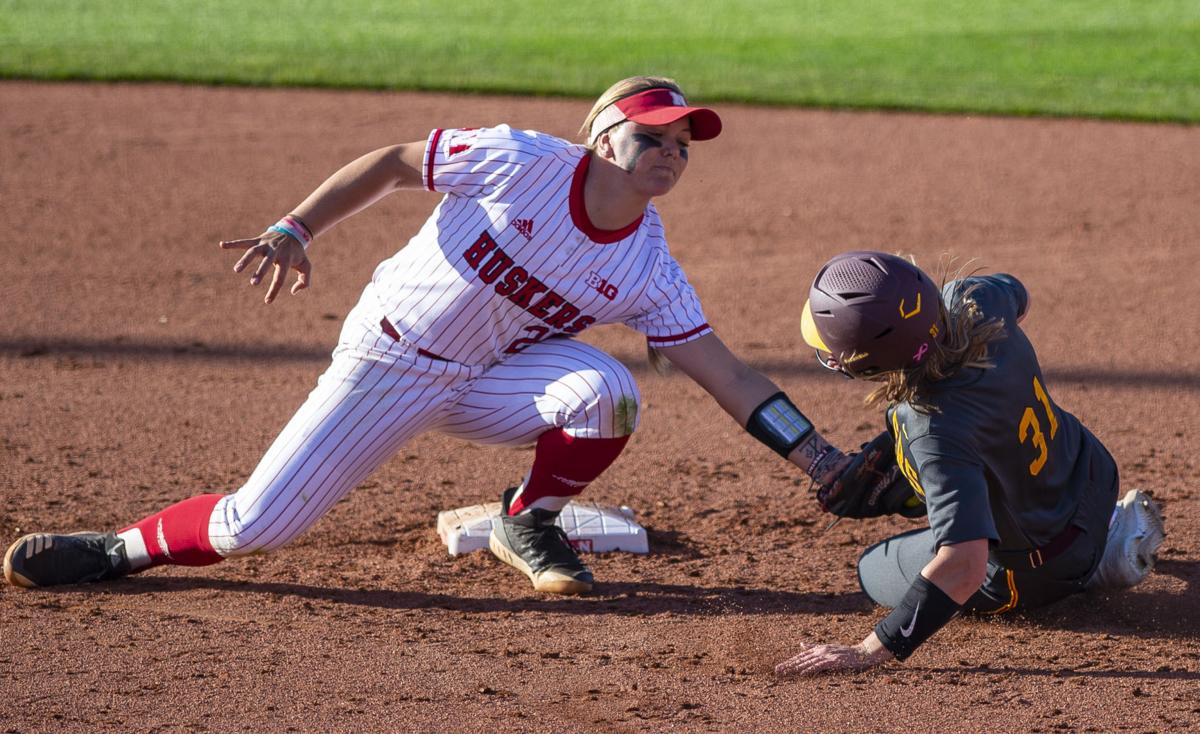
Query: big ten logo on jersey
x,y
460,140
1031,427
601,286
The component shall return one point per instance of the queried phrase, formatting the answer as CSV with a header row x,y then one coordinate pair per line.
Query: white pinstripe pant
x,y
378,394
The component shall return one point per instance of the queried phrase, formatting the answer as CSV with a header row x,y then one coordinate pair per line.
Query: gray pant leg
x,y
886,570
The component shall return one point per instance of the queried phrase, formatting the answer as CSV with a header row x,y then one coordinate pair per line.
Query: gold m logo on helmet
x,y
916,309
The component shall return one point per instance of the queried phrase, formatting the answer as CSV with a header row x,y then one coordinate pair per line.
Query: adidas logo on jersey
x,y
524,226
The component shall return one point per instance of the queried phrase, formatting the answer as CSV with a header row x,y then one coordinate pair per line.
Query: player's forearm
x,y
737,387
357,185
742,392
814,455
923,611
939,592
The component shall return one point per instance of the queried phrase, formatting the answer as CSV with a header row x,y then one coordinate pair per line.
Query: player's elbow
x,y
403,162
960,569
974,577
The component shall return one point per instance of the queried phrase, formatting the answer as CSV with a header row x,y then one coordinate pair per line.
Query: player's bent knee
x,y
232,534
609,409
235,544
869,579
887,569
625,415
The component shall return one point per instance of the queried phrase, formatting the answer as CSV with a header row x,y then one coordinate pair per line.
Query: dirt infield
x,y
138,370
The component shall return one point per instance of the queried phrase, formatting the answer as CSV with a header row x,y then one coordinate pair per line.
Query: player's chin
x,y
660,183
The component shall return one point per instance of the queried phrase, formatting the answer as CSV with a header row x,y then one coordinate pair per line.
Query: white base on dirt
x,y
590,526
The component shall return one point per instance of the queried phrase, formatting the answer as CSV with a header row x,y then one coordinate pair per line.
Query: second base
x,y
590,526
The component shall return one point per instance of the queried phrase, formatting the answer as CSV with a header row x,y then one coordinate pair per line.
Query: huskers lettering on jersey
x,y
509,257
520,288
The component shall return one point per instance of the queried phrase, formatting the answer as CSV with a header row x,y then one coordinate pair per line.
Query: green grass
x,y
1136,59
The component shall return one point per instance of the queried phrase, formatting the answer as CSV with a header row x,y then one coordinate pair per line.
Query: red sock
x,y
177,535
562,467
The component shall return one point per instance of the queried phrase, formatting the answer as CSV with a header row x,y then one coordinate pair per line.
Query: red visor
x,y
659,107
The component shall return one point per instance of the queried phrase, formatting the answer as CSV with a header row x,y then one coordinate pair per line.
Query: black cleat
x,y
42,559
534,545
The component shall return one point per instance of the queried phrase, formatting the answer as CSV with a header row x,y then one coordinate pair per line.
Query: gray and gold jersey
x,y
997,459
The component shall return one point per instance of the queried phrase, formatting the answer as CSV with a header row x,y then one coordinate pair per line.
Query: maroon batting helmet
x,y
870,312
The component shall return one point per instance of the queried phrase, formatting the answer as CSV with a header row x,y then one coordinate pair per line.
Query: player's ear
x,y
604,146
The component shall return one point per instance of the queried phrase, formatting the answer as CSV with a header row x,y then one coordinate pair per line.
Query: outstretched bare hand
x,y
829,659
277,249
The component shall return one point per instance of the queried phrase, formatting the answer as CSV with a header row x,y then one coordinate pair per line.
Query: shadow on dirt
x,y
673,543
1071,672
33,347
620,598
1131,612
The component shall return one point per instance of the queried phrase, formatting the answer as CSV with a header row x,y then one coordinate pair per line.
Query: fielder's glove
x,y
871,485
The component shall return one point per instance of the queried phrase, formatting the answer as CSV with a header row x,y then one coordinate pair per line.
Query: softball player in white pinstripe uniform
x,y
467,330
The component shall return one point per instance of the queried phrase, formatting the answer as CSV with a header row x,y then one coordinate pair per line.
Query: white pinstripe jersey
x,y
509,258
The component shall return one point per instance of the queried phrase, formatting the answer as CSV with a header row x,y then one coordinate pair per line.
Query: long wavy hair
x,y
964,344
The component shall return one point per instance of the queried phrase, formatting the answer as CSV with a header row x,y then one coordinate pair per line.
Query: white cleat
x,y
1134,536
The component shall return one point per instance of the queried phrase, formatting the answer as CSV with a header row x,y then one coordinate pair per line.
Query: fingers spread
x,y
281,252
237,244
305,278
244,260
818,659
258,250
811,663
795,667
276,283
261,270
788,667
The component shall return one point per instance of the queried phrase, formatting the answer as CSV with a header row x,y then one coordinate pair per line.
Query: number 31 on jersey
x,y
1031,428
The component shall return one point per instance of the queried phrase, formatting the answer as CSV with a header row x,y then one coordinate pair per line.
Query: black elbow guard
x,y
924,610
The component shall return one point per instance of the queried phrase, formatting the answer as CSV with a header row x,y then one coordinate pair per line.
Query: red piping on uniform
x,y
429,154
684,335
579,210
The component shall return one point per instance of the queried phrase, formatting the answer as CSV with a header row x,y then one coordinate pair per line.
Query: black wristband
x,y
924,610
779,424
